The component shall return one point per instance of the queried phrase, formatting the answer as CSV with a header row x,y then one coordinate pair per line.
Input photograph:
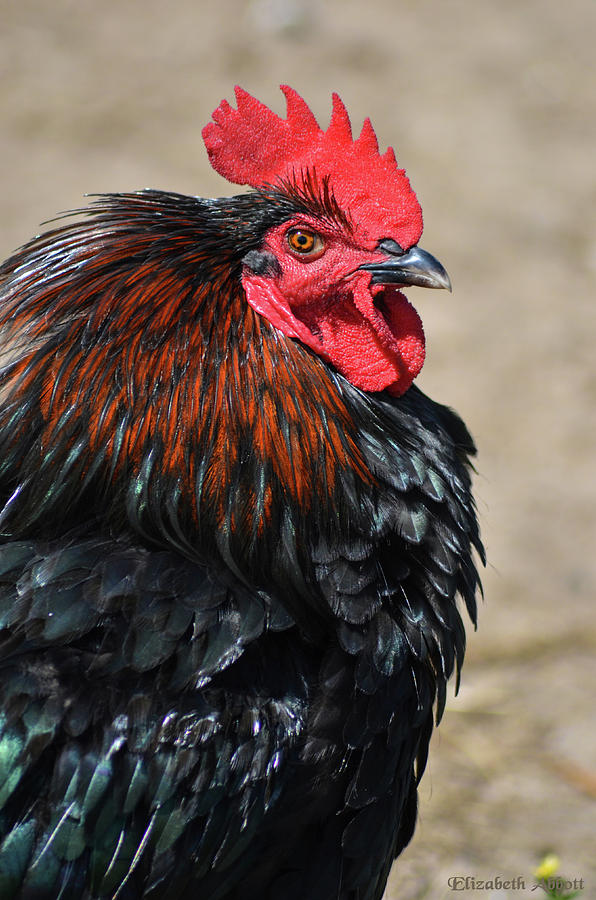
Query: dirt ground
x,y
491,109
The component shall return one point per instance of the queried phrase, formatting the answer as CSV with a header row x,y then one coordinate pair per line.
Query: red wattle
x,y
377,345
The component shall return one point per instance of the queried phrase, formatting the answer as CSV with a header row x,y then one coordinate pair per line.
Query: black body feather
x,y
228,578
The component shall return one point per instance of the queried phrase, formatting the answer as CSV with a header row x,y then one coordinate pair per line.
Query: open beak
x,y
415,266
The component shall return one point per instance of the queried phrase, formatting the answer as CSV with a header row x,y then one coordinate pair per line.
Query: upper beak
x,y
416,266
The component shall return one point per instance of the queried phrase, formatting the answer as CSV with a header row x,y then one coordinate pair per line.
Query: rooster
x,y
233,532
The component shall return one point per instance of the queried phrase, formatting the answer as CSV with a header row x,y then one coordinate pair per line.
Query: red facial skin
x,y
370,333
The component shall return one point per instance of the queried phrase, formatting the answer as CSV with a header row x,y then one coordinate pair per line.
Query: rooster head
x,y
329,274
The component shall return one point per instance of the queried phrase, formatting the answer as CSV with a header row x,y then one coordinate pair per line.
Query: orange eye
x,y
305,243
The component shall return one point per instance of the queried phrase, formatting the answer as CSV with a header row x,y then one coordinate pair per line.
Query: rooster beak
x,y
416,266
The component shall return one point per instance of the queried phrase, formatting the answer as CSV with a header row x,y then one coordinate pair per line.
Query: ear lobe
x,y
261,262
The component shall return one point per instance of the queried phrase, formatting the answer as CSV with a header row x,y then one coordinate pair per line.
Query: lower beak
x,y
414,267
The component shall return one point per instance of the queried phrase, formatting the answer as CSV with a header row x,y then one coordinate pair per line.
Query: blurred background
x,y
491,108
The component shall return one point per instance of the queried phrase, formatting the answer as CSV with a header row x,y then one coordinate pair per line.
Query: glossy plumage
x,y
228,577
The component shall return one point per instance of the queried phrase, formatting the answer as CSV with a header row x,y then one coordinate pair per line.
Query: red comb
x,y
252,145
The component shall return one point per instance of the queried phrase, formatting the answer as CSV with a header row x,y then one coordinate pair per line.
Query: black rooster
x,y
233,532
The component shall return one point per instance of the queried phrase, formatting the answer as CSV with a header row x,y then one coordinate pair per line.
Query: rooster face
x,y
336,290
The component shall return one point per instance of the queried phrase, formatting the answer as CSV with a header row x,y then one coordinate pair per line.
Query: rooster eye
x,y
306,243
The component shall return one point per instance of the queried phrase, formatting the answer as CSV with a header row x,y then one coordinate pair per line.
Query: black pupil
x,y
302,239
